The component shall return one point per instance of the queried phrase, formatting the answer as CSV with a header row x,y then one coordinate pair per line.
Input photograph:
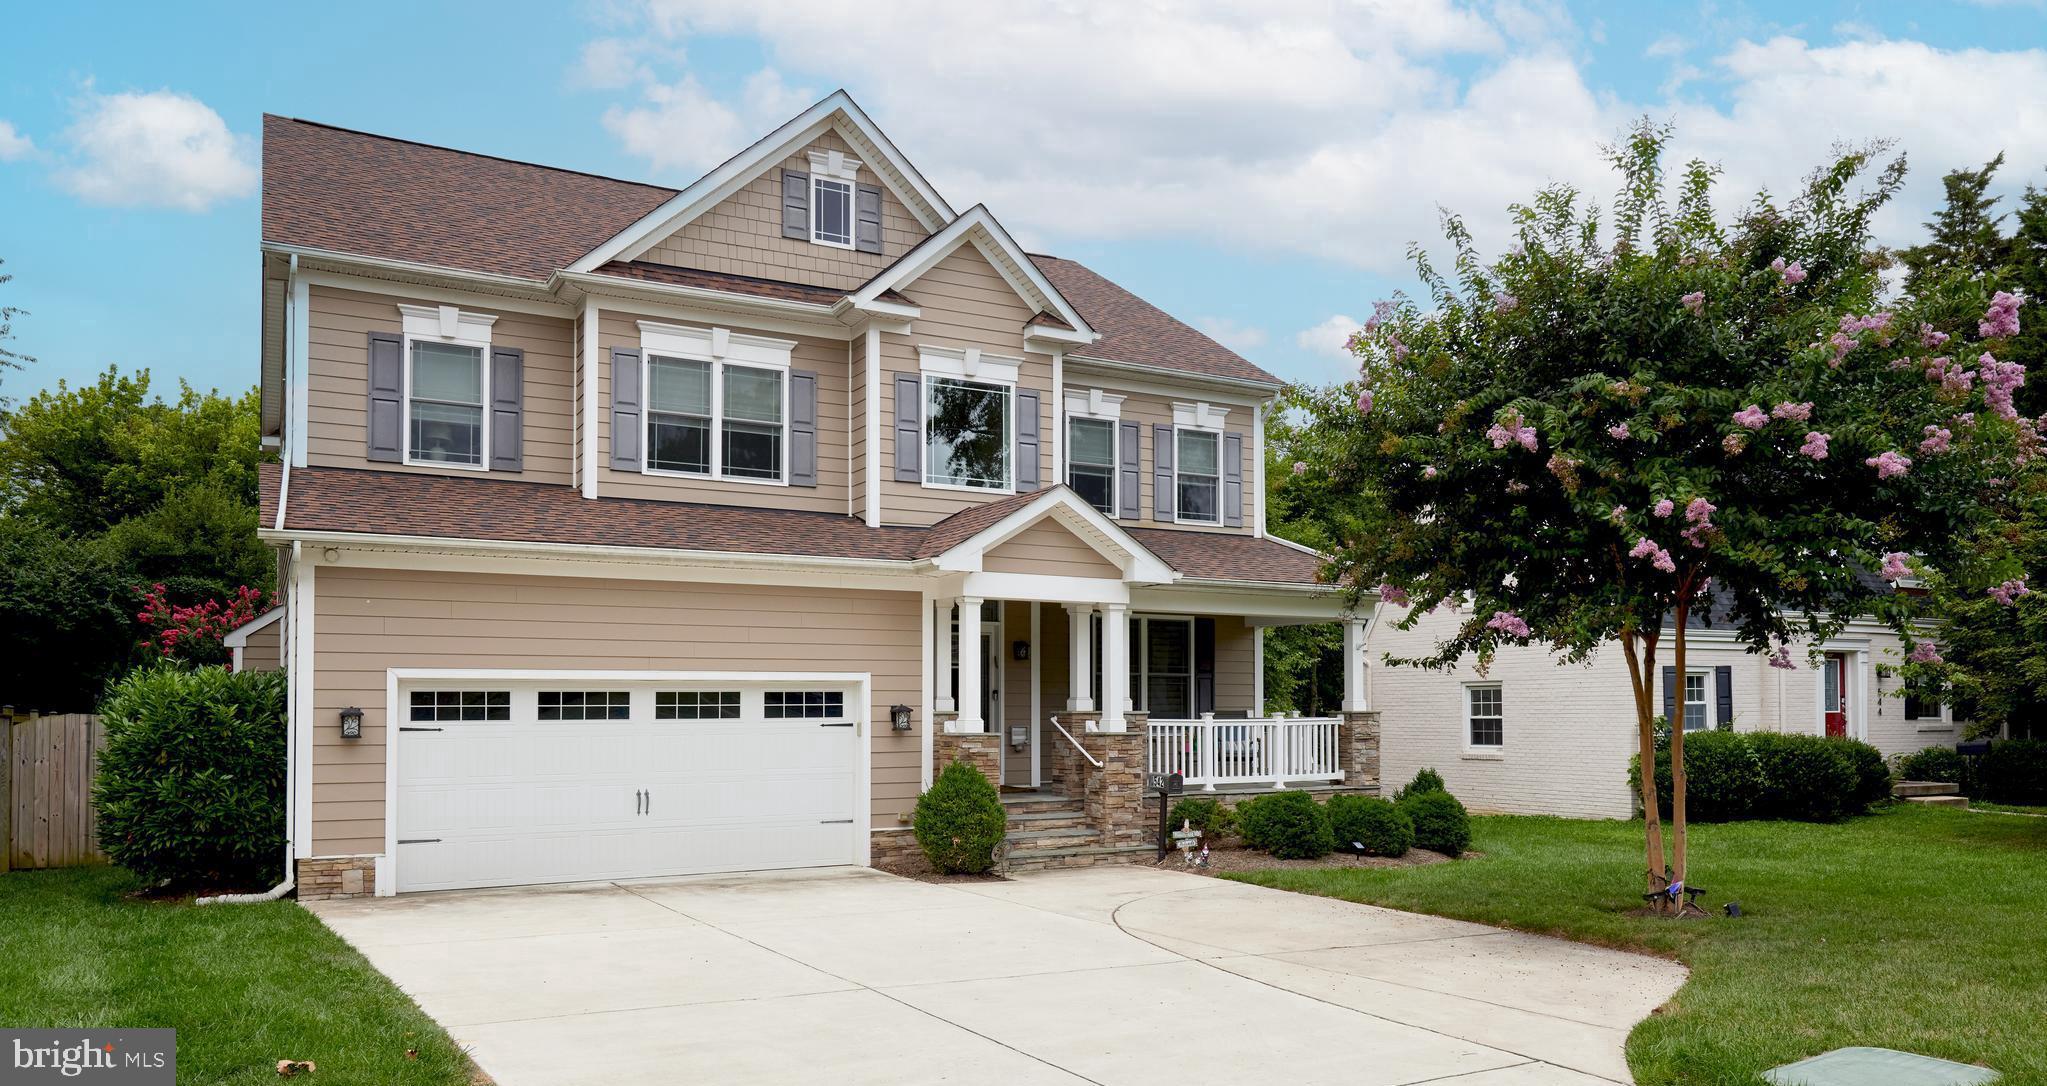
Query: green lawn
x,y
244,985
1917,928
2006,808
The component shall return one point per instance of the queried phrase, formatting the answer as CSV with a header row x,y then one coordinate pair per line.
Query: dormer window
x,y
831,198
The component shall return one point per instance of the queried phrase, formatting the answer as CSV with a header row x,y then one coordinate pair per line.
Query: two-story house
x,y
634,531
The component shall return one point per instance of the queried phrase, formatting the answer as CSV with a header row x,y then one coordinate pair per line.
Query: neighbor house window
x,y
1091,462
1197,475
1695,701
444,403
966,433
585,705
831,212
1484,715
447,705
1922,709
714,418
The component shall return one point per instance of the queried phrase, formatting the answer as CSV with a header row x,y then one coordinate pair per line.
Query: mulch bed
x,y
1245,859
919,868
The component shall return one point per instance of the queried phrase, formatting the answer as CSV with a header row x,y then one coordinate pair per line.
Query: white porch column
x,y
1353,665
1115,665
941,677
1080,662
969,720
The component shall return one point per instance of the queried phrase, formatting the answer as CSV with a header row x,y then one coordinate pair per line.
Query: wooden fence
x,y
47,765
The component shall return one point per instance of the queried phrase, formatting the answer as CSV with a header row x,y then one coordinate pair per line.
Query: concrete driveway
x,y
1106,975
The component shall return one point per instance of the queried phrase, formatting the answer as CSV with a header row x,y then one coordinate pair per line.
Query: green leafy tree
x,y
10,359
1303,503
1967,236
1994,647
1621,428
66,619
2026,274
199,542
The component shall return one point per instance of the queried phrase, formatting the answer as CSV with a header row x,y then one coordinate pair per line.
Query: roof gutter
x,y
501,282
1236,383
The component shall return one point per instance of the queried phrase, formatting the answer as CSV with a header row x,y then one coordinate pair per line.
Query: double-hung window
x,y
447,385
679,415
1161,666
1485,717
1091,461
1695,701
968,427
753,423
715,415
1197,475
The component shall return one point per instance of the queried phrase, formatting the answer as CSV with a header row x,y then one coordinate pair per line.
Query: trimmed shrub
x,y
1214,820
1806,778
959,821
1723,778
1290,825
1939,764
1371,822
190,789
1440,822
1872,776
1425,780
2015,771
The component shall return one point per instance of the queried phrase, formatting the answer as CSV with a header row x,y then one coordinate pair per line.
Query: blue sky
x,y
1256,168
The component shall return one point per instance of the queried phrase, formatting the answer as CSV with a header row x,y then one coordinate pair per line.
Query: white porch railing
x,y
1271,750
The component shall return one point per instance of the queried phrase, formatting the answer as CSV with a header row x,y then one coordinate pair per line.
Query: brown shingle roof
x,y
1138,332
444,507
352,192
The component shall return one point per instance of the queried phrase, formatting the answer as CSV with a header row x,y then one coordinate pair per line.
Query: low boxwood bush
x,y
1207,815
1370,822
1806,778
1872,775
1290,825
2015,771
1440,822
190,789
1425,780
960,821
1939,764
1767,775
1723,777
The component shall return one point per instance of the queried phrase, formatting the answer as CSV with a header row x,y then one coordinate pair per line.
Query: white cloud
x,y
13,144
159,149
1328,338
1296,128
1229,333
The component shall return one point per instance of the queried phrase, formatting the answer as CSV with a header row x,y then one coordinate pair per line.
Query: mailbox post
x,y
1165,786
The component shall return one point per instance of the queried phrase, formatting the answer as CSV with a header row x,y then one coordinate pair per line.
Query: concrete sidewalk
x,y
1106,975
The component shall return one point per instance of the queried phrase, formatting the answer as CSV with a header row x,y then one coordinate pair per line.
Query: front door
x,y
1835,695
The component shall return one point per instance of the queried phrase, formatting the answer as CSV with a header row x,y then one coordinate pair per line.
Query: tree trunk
x,y
1641,671
1677,743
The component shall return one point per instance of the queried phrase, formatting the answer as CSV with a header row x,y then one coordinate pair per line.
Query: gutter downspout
x,y
290,793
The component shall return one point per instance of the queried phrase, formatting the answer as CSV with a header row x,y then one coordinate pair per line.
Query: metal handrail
x,y
1096,762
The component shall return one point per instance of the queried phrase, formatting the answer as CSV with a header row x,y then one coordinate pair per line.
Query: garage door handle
x,y
834,821
650,801
639,800
847,724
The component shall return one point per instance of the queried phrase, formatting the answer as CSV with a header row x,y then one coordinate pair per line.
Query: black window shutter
x,y
625,408
802,428
1129,471
1233,480
1723,691
1027,424
387,397
867,218
1204,665
909,428
1670,697
507,409
795,205
1162,496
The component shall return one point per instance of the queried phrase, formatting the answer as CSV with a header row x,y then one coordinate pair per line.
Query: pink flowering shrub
x,y
1505,303
1752,417
1365,402
1664,508
1815,445
1694,301
1509,430
1618,431
1794,412
2002,318
1924,653
193,634
1894,568
1392,594
1938,439
1889,464
1300,467
2009,592
1509,623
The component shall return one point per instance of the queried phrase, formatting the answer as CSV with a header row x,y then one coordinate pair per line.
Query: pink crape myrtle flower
x,y
1694,301
1924,653
1733,444
1510,431
1392,594
2000,380
1664,508
1509,623
1619,513
1815,445
1843,343
1356,341
1930,339
1781,658
1889,464
1660,558
2002,318
1300,467
1895,568
1792,273
1699,509
2009,592
1752,417
1618,431
1504,302
1429,471
1517,487
1938,440
1795,412
1365,402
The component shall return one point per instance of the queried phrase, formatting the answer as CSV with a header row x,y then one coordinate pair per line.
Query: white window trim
x,y
834,167
719,347
1115,466
1706,721
968,364
1200,416
1140,639
1008,438
1093,403
1178,516
1483,750
444,324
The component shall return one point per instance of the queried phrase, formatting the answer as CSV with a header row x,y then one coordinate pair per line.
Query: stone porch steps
x,y
1080,856
1020,803
1939,801
1048,820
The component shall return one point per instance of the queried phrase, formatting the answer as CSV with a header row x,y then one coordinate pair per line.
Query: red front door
x,y
1835,677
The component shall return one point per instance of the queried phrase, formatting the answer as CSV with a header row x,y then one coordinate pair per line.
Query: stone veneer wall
x,y
1357,751
978,749
325,877
894,846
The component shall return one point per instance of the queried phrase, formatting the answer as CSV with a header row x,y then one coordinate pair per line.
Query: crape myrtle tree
x,y
1623,427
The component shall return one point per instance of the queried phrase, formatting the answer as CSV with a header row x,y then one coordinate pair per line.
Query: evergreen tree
x,y
1966,235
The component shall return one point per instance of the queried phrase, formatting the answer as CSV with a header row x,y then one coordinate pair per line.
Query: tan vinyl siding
x,y
966,303
368,621
1016,692
1048,549
1236,663
337,409
826,358
743,234
261,652
270,372
576,406
1149,410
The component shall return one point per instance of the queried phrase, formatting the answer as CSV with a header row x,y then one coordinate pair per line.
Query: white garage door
x,y
502,783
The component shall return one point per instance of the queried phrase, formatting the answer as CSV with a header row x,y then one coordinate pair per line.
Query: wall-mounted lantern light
x,y
899,717
351,723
